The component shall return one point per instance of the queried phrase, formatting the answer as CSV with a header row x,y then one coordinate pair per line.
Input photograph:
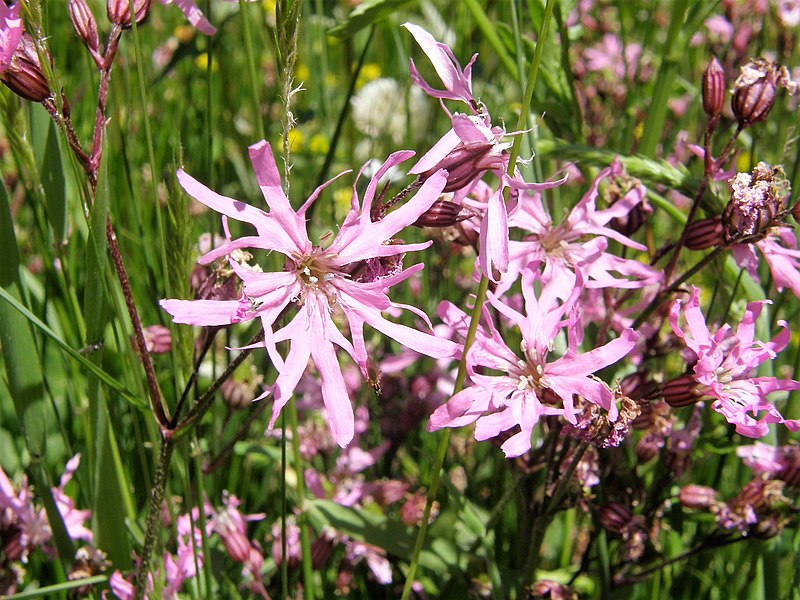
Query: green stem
x,y
251,70
305,542
480,298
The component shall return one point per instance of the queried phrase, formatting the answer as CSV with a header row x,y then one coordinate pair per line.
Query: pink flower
x,y
469,150
348,277
11,30
532,386
779,248
578,243
195,15
74,519
608,56
724,363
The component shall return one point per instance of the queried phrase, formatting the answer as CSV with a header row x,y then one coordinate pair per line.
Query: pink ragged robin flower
x,y
469,150
537,384
725,363
579,243
349,278
779,249
11,30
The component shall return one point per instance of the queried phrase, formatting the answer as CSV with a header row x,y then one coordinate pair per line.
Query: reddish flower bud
x,y
24,74
796,212
755,88
713,88
157,339
698,497
119,11
84,22
468,161
756,202
443,213
615,517
680,392
705,233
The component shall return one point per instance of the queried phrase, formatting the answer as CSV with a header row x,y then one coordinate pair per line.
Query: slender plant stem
x,y
305,542
480,298
153,515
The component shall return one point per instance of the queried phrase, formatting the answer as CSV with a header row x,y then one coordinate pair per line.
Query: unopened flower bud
x,y
713,88
680,392
84,22
24,74
796,212
755,88
756,202
467,161
443,213
615,517
157,339
698,497
119,11
705,233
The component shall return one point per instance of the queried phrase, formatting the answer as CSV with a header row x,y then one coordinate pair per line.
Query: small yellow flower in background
x,y
369,72
269,8
184,33
296,140
319,144
302,73
341,201
743,163
201,62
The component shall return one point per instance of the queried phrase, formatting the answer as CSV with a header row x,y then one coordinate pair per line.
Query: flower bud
x,y
680,392
157,339
713,88
756,202
755,88
615,517
119,11
24,74
468,161
705,233
698,497
443,213
84,22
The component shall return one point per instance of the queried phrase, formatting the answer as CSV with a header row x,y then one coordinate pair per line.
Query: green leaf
x,y
51,171
365,14
391,535
50,590
23,365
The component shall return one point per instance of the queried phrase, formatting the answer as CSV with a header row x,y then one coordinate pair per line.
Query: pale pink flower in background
x,y
610,58
779,249
578,243
775,462
789,13
517,398
74,520
11,29
375,558
725,362
195,16
349,277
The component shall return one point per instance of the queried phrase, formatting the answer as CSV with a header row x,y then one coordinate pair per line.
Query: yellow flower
x,y
319,144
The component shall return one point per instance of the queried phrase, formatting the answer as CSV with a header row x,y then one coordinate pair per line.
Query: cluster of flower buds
x,y
756,203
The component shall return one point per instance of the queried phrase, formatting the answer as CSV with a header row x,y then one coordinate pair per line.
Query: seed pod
x,y
755,88
615,517
755,204
698,497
